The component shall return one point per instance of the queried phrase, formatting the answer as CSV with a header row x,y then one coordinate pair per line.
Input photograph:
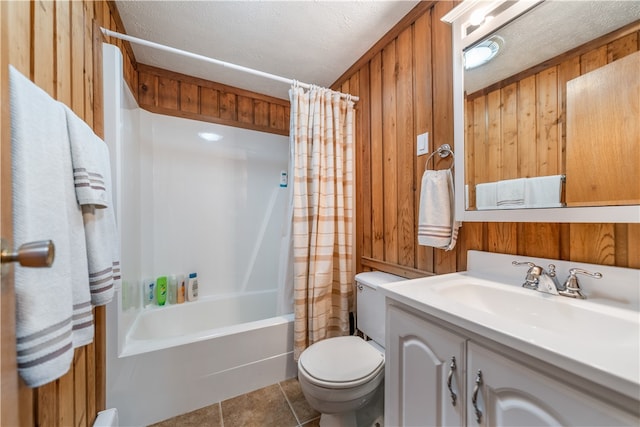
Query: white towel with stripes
x,y
437,226
102,242
44,208
510,193
88,175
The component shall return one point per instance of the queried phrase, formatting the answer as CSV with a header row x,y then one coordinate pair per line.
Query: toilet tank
x,y
370,318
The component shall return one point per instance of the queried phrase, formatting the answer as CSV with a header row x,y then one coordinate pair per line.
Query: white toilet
x,y
343,377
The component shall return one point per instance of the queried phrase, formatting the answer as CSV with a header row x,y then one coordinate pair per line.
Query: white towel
x,y
83,330
436,221
544,192
102,240
486,196
88,174
510,193
42,210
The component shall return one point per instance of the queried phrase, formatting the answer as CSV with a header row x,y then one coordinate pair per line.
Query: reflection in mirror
x,y
552,119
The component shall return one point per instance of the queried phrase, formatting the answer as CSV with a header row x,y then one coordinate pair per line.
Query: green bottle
x,y
161,290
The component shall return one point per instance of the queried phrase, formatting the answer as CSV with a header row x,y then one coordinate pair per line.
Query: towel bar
x,y
443,151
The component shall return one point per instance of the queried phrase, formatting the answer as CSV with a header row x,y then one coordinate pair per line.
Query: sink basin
x,y
555,314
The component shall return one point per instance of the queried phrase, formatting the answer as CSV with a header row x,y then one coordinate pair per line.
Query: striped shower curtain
x,y
322,144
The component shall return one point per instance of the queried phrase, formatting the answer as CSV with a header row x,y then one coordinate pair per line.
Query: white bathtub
x,y
180,358
169,326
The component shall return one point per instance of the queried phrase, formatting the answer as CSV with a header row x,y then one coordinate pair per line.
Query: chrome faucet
x,y
571,285
540,280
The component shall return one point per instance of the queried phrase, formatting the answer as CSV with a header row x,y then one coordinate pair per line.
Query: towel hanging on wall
x,y
92,179
44,207
437,226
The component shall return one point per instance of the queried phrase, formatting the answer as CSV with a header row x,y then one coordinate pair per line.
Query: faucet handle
x,y
572,287
529,263
531,280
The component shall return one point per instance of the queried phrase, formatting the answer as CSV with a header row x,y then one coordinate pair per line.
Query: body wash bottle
x,y
181,289
148,291
172,289
161,290
192,287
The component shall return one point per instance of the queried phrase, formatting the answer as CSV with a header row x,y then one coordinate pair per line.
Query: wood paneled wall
x,y
405,88
517,128
57,44
174,94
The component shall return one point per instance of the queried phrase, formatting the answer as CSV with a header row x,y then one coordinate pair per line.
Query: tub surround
x,y
150,387
187,203
157,328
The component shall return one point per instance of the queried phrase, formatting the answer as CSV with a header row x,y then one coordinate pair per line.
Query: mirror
x,y
551,120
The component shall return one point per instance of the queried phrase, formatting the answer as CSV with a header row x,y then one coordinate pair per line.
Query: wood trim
x,y
175,94
393,268
9,406
115,14
150,69
217,120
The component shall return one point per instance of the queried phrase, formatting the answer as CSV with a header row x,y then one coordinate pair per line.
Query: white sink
x,y
555,314
597,338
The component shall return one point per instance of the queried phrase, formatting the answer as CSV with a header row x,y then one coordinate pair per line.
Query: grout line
x,y
289,403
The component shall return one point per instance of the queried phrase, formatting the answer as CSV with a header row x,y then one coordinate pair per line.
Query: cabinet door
x,y
417,371
510,394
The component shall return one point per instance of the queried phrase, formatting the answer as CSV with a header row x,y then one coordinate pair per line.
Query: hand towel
x,y
83,330
102,242
510,193
486,196
544,192
42,210
436,221
88,174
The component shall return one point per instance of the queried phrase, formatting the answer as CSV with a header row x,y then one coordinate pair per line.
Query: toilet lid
x,y
341,359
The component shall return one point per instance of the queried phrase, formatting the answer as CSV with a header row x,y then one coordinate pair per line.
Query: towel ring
x,y
443,151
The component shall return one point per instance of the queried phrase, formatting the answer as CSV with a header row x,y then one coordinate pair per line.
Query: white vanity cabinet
x,y
424,373
510,392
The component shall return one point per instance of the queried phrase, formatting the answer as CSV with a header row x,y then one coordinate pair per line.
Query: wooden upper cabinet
x,y
603,135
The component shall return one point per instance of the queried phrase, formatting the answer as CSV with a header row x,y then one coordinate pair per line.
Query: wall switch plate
x,y
423,144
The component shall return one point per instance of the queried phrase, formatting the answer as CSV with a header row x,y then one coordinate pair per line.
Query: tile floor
x,y
278,405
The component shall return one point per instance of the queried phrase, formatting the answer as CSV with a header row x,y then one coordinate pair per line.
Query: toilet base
x,y
343,419
371,415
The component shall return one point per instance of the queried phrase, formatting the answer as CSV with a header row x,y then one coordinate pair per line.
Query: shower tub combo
x,y
183,205
183,357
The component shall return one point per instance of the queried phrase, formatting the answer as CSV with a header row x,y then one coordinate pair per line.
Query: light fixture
x,y
482,53
210,136
477,18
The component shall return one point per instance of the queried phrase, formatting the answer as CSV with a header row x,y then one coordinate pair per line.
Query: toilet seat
x,y
341,362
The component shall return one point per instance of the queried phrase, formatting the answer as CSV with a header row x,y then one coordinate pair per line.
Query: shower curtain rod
x,y
214,61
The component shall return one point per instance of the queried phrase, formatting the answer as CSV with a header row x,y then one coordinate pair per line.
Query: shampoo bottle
x,y
135,290
192,287
161,290
172,289
148,291
181,289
